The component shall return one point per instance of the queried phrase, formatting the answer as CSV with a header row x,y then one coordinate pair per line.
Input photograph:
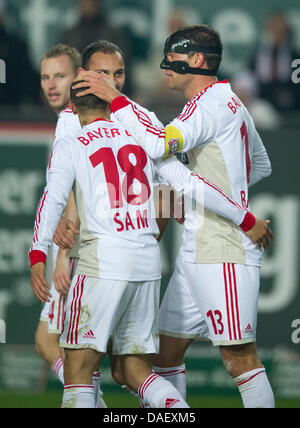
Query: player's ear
x,y
198,60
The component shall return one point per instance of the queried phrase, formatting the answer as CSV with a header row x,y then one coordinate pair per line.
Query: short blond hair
x,y
71,52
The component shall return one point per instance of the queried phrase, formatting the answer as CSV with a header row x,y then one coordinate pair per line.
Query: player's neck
x,y
61,108
198,85
90,116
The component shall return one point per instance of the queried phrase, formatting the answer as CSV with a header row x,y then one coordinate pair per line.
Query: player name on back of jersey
x,y
131,222
101,133
234,104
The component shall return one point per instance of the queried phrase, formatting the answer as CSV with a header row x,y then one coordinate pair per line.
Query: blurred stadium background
x,y
27,29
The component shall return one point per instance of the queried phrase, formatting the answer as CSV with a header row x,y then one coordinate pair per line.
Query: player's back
x,y
223,155
114,186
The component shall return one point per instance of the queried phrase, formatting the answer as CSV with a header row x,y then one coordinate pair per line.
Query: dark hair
x,y
61,49
203,35
86,102
103,46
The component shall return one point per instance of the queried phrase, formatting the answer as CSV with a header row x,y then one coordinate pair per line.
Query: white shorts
x,y
215,301
99,309
53,312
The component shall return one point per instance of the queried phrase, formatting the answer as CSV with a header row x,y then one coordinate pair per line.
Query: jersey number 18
x,y
133,168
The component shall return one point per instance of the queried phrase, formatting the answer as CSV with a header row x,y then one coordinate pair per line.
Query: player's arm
x,y
60,178
64,238
212,198
61,275
260,165
161,142
68,225
182,134
260,162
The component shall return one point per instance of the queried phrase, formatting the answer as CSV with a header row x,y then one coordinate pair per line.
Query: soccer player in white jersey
x,y
116,288
58,68
102,57
215,286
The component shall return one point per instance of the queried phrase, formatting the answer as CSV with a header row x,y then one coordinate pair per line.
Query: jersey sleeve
x,y
260,162
192,127
207,194
60,178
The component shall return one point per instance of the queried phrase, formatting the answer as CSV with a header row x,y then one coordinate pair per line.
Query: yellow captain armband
x,y
173,141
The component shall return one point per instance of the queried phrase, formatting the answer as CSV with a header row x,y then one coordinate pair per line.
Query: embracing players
x,y
215,286
241,218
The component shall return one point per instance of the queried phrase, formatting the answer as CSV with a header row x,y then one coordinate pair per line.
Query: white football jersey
x,y
113,181
223,146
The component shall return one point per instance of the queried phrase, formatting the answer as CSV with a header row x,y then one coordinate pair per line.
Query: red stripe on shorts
x,y
72,310
236,302
78,310
231,302
227,301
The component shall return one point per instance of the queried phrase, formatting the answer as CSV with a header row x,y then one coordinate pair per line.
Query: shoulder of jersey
x,y
67,124
67,112
207,99
150,115
211,91
67,116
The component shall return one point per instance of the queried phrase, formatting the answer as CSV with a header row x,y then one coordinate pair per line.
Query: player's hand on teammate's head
x,y
63,236
261,234
39,284
97,84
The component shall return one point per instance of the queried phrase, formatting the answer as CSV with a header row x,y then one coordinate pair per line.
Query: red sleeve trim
x,y
248,222
36,256
118,103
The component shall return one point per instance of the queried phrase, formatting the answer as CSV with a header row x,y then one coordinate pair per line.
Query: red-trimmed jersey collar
x,y
102,119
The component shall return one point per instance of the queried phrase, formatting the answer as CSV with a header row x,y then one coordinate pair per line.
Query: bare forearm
x,y
71,212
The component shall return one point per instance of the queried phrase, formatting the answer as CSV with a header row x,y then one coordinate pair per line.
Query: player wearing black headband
x,y
186,41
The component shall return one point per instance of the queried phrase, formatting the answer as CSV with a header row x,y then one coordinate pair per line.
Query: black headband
x,y
184,46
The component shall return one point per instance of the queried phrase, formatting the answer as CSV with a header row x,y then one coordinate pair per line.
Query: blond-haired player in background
x,y
57,69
